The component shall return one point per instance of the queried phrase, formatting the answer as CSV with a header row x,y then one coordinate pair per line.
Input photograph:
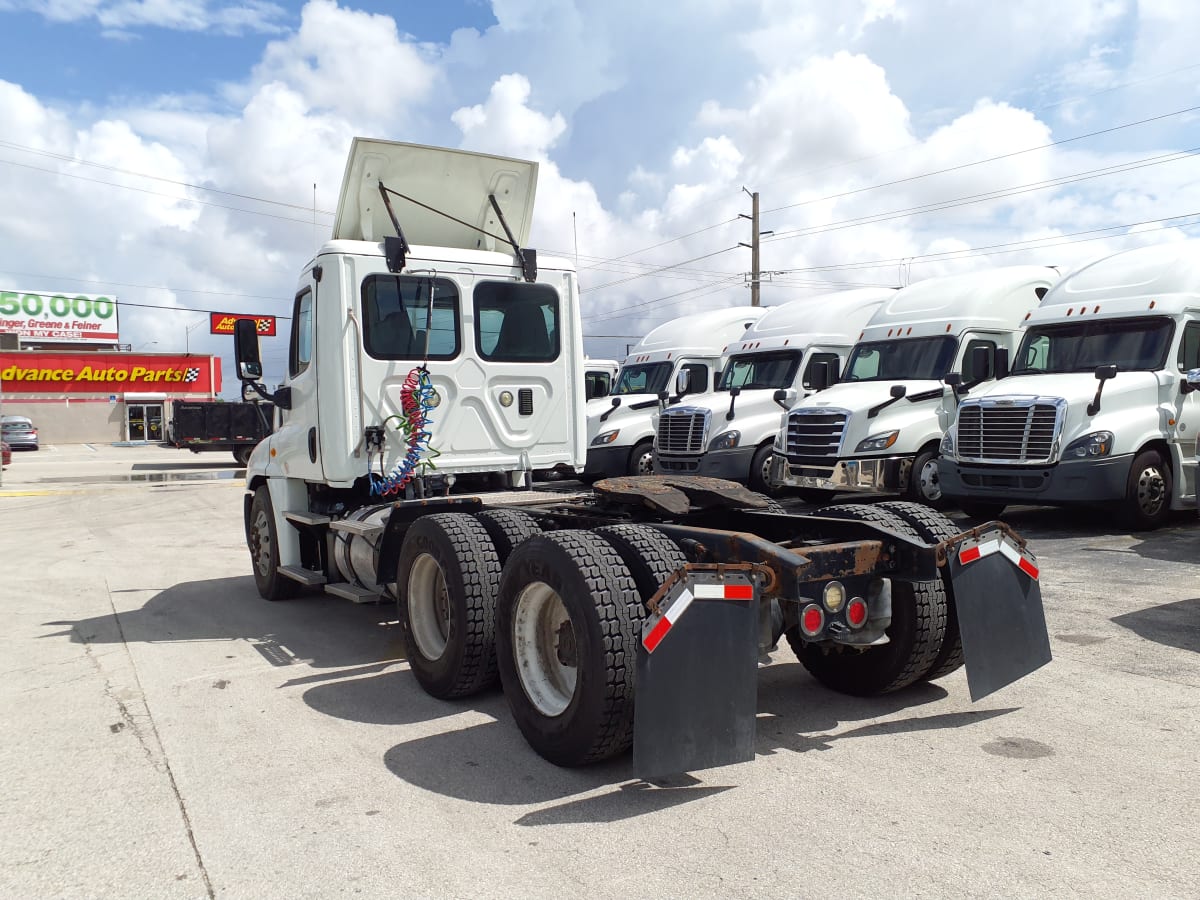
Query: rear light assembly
x,y
812,620
856,613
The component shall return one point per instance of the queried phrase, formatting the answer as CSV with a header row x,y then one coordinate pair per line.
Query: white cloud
x,y
249,16
504,124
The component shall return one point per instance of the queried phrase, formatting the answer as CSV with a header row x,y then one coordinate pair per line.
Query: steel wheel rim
x,y
927,479
645,463
1151,491
765,474
428,607
538,620
261,540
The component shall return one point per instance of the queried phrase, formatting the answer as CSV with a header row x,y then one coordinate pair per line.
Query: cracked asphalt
x,y
170,734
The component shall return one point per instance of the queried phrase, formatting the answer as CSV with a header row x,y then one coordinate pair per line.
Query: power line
x,y
656,271
149,287
980,162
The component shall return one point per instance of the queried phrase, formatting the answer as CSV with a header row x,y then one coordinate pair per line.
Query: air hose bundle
x,y
417,399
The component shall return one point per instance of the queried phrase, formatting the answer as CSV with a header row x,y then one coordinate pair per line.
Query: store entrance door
x,y
144,421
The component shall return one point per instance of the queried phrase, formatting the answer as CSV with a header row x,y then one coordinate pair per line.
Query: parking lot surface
x,y
170,734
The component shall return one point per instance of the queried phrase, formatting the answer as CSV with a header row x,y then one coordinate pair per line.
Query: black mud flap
x,y
697,677
999,603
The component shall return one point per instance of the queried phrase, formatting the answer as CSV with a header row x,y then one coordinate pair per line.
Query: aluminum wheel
x,y
644,464
544,648
931,487
260,543
1151,490
428,606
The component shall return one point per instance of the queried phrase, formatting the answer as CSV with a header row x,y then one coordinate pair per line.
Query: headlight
x,y
947,447
725,440
877,442
606,437
1098,443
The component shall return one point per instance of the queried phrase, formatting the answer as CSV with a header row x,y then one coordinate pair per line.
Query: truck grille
x,y
683,430
1008,430
815,434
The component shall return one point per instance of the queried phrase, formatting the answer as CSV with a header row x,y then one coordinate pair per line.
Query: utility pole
x,y
755,268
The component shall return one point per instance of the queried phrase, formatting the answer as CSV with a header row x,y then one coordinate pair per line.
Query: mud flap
x,y
697,677
1000,616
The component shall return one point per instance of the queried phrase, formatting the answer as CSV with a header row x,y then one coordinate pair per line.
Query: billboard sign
x,y
37,372
222,323
82,318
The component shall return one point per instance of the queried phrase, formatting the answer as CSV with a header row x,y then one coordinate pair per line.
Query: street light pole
x,y
187,334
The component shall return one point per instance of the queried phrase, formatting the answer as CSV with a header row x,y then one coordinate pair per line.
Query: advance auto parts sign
x,y
32,372
84,318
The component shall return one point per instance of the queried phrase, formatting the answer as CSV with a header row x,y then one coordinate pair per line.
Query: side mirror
x,y
953,379
981,364
245,349
616,401
1103,373
785,398
1001,363
821,376
683,380
897,391
734,391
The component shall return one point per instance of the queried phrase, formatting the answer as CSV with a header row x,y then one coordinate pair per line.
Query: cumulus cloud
x,y
505,124
122,16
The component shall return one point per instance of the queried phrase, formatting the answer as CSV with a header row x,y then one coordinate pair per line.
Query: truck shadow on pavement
x,y
490,762
1172,624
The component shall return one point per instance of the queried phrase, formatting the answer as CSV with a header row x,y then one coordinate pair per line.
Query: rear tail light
x,y
856,613
812,620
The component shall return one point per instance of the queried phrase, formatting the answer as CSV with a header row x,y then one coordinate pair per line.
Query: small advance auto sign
x,y
84,318
222,323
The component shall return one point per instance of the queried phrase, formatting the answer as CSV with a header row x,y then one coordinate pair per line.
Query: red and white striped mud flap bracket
x,y
697,673
998,598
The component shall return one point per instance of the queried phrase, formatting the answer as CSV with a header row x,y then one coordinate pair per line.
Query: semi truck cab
x,y
795,349
1099,407
880,428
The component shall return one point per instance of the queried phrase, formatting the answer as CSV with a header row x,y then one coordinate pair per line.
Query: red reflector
x,y
856,613
739,592
1028,568
969,555
812,619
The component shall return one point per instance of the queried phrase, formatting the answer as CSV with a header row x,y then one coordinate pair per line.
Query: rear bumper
x,y
1085,481
846,475
733,465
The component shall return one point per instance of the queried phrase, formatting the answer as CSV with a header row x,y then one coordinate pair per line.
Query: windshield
x,y
1132,344
752,371
912,359
647,378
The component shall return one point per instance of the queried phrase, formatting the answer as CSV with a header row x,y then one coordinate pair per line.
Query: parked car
x,y
19,432
5,455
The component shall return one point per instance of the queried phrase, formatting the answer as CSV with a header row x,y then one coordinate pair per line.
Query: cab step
x,y
302,575
353,593
306,518
366,530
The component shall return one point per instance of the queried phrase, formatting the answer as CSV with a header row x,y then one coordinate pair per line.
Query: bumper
x,y
733,465
846,475
607,462
1085,481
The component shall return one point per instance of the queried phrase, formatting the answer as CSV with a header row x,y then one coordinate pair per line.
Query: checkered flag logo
x,y
191,375
263,325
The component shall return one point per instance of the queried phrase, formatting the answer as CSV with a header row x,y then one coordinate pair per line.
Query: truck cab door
x,y
296,441
1186,400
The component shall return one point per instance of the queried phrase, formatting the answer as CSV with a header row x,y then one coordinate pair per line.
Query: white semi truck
x,y
1098,407
415,368
620,428
793,351
880,428
598,377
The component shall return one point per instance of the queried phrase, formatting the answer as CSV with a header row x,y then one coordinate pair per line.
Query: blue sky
x,y
876,131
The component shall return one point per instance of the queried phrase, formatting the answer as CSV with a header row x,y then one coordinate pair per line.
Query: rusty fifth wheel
x,y
565,645
447,581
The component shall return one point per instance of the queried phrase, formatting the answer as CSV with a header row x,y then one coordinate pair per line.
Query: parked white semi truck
x,y
880,428
620,428
1098,407
598,377
416,367
793,351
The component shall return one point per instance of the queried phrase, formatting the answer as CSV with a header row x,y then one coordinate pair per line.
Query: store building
x,y
85,396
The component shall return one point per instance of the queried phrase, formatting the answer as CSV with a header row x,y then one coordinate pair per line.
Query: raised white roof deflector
x,y
455,182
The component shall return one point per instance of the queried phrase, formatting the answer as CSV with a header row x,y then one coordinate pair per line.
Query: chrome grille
x,y
1008,431
816,434
682,430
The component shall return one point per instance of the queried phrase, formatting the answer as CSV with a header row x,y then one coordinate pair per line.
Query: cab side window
x,y
300,349
1189,347
697,377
